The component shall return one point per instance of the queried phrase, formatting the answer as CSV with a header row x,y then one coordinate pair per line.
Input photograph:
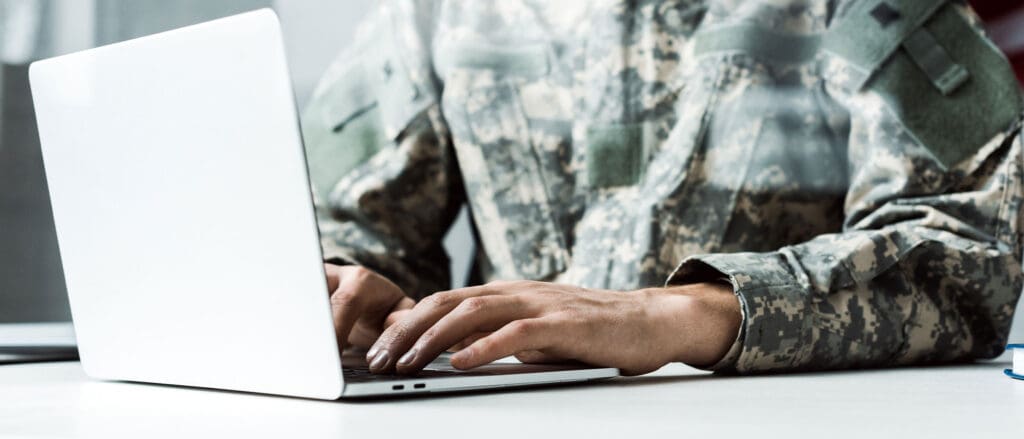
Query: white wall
x,y
315,31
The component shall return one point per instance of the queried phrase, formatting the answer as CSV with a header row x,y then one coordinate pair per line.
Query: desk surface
x,y
57,400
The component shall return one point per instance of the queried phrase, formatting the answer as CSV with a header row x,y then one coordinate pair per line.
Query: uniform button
x,y
387,70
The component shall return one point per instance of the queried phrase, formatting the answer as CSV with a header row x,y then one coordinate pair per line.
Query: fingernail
x,y
408,358
372,352
379,361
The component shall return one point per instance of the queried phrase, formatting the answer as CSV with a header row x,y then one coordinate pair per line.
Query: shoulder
x,y
931,66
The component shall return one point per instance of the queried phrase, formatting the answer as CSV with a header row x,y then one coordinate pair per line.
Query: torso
x,y
598,149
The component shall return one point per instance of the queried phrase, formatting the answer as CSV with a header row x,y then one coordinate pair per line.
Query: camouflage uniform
x,y
852,168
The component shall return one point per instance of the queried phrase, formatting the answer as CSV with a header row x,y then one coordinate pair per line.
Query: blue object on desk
x,y
1009,372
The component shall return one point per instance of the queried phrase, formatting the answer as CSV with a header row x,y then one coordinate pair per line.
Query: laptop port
x,y
398,387
419,385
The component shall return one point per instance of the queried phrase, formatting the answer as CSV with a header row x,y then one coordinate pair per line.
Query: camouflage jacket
x,y
852,168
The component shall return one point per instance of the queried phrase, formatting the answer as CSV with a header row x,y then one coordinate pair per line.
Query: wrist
x,y
699,322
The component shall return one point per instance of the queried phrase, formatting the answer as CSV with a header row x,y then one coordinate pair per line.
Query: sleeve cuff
x,y
334,253
775,332
337,260
694,271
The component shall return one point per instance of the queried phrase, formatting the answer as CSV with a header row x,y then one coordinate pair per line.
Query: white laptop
x,y
186,226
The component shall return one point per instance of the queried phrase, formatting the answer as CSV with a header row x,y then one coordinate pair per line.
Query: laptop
x,y
186,226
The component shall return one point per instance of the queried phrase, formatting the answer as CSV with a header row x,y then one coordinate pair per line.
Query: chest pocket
x,y
509,190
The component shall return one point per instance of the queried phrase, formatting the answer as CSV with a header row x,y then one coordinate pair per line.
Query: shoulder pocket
x,y
361,108
949,86
341,128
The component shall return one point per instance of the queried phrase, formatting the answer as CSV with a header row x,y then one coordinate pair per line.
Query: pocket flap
x,y
868,32
765,45
529,60
347,99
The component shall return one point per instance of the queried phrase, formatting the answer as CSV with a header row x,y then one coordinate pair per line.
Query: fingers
x,y
333,277
341,304
467,341
471,316
359,293
346,307
398,338
368,328
518,336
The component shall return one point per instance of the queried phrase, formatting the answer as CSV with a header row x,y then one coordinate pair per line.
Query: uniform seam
x,y
525,126
1004,199
997,221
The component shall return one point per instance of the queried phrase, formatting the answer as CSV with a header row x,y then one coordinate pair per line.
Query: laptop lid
x,y
183,212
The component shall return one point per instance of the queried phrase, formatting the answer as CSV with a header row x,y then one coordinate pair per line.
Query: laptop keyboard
x,y
364,374
355,369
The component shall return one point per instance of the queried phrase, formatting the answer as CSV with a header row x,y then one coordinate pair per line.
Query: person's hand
x,y
363,304
637,331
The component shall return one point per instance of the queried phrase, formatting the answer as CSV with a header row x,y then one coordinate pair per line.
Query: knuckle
x,y
499,283
427,336
471,305
569,313
345,298
525,357
353,277
521,328
549,292
438,300
332,272
534,285
359,272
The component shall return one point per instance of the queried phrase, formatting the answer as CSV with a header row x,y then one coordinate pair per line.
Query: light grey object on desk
x,y
34,342
57,400
31,280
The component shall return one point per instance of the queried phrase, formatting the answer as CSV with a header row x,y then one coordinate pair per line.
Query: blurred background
x,y
31,280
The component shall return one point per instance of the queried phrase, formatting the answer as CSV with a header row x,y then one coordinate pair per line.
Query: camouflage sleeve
x,y
918,276
927,268
386,187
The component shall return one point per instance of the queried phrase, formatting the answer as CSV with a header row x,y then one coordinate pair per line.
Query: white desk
x,y
57,400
